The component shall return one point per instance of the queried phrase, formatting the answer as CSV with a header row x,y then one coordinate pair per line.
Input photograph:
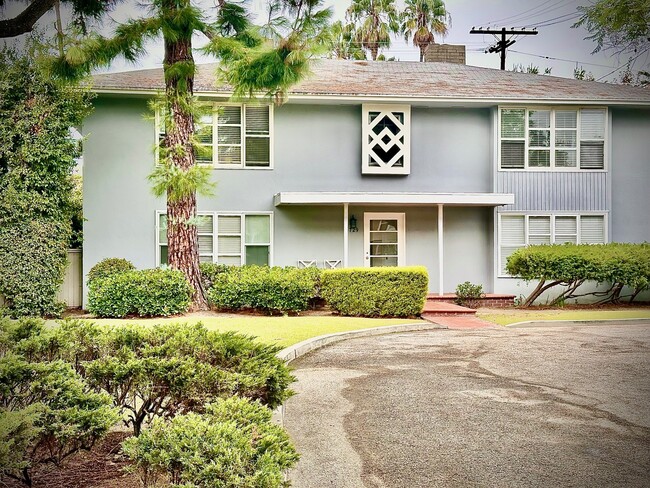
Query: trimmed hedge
x,y
376,292
263,288
108,267
146,293
570,265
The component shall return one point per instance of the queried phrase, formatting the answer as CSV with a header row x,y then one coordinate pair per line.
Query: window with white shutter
x,y
544,139
232,136
386,133
517,231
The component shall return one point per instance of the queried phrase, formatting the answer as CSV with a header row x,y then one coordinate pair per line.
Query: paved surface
x,y
459,321
555,406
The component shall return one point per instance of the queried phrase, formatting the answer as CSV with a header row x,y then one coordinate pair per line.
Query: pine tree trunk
x,y
182,237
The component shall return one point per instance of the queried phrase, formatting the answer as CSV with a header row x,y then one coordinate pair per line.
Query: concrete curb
x,y
297,350
567,323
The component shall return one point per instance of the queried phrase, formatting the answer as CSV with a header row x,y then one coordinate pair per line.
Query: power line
x,y
629,63
558,20
561,59
520,18
503,44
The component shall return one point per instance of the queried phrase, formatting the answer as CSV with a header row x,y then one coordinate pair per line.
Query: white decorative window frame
x,y
215,250
366,151
552,146
552,215
215,163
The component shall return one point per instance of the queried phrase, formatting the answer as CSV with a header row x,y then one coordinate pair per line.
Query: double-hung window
x,y
226,238
231,136
517,231
549,138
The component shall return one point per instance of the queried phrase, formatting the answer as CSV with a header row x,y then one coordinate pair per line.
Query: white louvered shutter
x,y
258,140
592,229
513,237
229,239
205,230
539,230
592,138
566,230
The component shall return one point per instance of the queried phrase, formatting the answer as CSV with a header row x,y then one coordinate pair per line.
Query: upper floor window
x,y
232,136
386,132
546,139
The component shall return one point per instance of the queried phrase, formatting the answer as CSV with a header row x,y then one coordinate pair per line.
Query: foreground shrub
x,y
47,413
234,444
468,293
376,292
263,288
209,272
108,267
146,293
569,266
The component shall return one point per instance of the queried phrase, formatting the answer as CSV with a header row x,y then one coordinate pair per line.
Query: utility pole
x,y
503,44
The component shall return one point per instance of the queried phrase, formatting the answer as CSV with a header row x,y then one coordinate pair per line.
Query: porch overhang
x,y
393,198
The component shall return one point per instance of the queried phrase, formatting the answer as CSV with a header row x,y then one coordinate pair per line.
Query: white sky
x,y
556,39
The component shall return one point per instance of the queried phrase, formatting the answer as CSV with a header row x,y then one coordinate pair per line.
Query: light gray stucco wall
x,y
630,211
119,207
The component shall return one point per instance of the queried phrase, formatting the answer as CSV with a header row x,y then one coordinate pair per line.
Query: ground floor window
x,y
519,230
225,238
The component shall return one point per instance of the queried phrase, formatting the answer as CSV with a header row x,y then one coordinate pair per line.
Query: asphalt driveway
x,y
551,406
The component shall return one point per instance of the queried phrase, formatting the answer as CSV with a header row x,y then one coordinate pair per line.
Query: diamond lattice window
x,y
386,139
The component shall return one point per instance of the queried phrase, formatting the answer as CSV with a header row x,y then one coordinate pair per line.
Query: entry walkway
x,y
555,406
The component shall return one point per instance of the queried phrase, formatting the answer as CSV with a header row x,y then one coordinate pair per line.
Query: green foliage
x,y
77,218
108,267
271,289
209,272
621,25
422,19
178,184
374,21
47,413
37,155
570,265
376,292
145,293
234,444
467,293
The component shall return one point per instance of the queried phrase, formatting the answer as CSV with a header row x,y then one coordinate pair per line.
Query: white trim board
x,y
381,198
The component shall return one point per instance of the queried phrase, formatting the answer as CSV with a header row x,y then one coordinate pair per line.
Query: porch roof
x,y
392,198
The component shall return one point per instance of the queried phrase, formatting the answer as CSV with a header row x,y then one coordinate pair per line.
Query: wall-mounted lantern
x,y
353,224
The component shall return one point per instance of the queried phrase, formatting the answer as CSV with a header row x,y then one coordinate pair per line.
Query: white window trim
x,y
215,216
553,215
215,164
552,148
365,133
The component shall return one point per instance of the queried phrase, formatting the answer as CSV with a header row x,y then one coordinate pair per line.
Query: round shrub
x,y
209,272
109,266
145,293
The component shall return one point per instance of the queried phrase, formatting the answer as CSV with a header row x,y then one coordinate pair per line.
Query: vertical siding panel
x,y
555,191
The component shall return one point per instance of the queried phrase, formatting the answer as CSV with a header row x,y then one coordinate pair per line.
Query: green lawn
x,y
284,331
510,316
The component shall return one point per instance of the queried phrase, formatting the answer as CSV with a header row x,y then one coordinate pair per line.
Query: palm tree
x,y
247,63
374,21
341,42
422,19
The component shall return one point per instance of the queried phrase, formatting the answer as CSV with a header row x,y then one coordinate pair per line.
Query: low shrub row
x,y
262,288
569,266
376,292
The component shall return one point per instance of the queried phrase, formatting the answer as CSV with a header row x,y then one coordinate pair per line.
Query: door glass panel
x,y
383,261
383,250
383,237
383,225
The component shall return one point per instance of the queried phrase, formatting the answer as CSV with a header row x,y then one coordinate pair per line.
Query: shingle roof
x,y
406,79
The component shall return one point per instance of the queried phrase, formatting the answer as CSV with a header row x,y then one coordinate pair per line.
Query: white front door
x,y
383,239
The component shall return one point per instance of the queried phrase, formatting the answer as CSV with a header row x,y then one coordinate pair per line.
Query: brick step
x,y
444,308
489,300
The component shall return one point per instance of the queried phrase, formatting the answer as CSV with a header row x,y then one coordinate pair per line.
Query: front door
x,y
383,239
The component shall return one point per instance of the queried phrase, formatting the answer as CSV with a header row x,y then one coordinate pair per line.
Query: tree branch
x,y
25,21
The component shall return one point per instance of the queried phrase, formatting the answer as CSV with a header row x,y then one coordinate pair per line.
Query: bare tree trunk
x,y
182,238
423,47
374,51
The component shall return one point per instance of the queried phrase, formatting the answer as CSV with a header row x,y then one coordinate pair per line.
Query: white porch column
x,y
441,252
346,233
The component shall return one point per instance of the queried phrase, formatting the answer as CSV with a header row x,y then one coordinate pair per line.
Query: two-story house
x,y
380,164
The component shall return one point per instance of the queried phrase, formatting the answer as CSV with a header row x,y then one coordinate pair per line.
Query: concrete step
x,y
460,322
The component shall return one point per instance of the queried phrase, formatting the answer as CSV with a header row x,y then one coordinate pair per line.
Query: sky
x,y
557,46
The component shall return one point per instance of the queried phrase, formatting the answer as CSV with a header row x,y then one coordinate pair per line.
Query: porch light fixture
x,y
353,224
